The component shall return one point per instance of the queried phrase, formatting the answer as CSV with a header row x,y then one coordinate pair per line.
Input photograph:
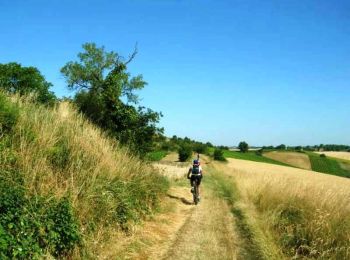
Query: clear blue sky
x,y
267,72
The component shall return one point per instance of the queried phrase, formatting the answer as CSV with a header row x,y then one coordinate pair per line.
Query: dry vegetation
x,y
60,154
299,160
306,212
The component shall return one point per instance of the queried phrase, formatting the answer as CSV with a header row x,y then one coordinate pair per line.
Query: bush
x,y
219,155
322,155
185,153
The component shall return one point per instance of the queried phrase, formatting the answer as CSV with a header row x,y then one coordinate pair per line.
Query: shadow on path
x,y
182,199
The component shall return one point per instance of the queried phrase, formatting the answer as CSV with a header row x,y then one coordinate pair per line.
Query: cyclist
x,y
195,173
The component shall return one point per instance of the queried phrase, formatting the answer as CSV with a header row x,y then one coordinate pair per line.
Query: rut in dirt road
x,y
208,232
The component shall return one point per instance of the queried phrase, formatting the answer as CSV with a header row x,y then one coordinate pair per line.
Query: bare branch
x,y
132,56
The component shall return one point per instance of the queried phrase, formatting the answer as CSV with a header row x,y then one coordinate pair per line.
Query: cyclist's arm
x,y
189,173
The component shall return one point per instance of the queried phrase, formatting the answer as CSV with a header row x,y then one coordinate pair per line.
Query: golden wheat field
x,y
340,155
299,205
292,158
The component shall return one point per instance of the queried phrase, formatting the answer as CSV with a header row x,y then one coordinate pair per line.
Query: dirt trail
x,y
186,231
182,230
208,232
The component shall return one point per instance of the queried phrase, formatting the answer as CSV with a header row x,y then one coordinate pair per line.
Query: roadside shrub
x,y
219,155
185,153
322,155
8,114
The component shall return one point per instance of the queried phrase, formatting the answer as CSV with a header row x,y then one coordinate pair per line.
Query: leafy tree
x,y
209,144
298,148
243,147
270,147
102,82
281,147
219,155
24,80
200,148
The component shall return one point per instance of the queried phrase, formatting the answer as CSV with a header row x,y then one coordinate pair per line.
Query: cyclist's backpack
x,y
195,169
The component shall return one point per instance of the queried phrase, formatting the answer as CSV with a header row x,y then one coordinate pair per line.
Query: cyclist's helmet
x,y
196,162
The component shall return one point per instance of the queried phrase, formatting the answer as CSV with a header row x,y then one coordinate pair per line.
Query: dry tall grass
x,y
306,212
61,154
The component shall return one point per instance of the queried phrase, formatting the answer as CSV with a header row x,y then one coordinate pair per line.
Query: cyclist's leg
x,y
192,180
199,180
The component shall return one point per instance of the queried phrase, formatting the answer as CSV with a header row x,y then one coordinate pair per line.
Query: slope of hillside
x,y
65,184
299,160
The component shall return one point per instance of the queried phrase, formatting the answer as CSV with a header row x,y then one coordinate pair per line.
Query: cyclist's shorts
x,y
197,177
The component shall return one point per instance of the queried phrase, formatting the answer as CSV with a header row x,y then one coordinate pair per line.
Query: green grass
x,y
327,165
251,156
156,155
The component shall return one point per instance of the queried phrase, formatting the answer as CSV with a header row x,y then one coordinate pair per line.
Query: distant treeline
x,y
321,147
175,143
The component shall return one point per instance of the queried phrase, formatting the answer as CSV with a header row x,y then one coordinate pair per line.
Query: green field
x,y
156,155
251,156
327,165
